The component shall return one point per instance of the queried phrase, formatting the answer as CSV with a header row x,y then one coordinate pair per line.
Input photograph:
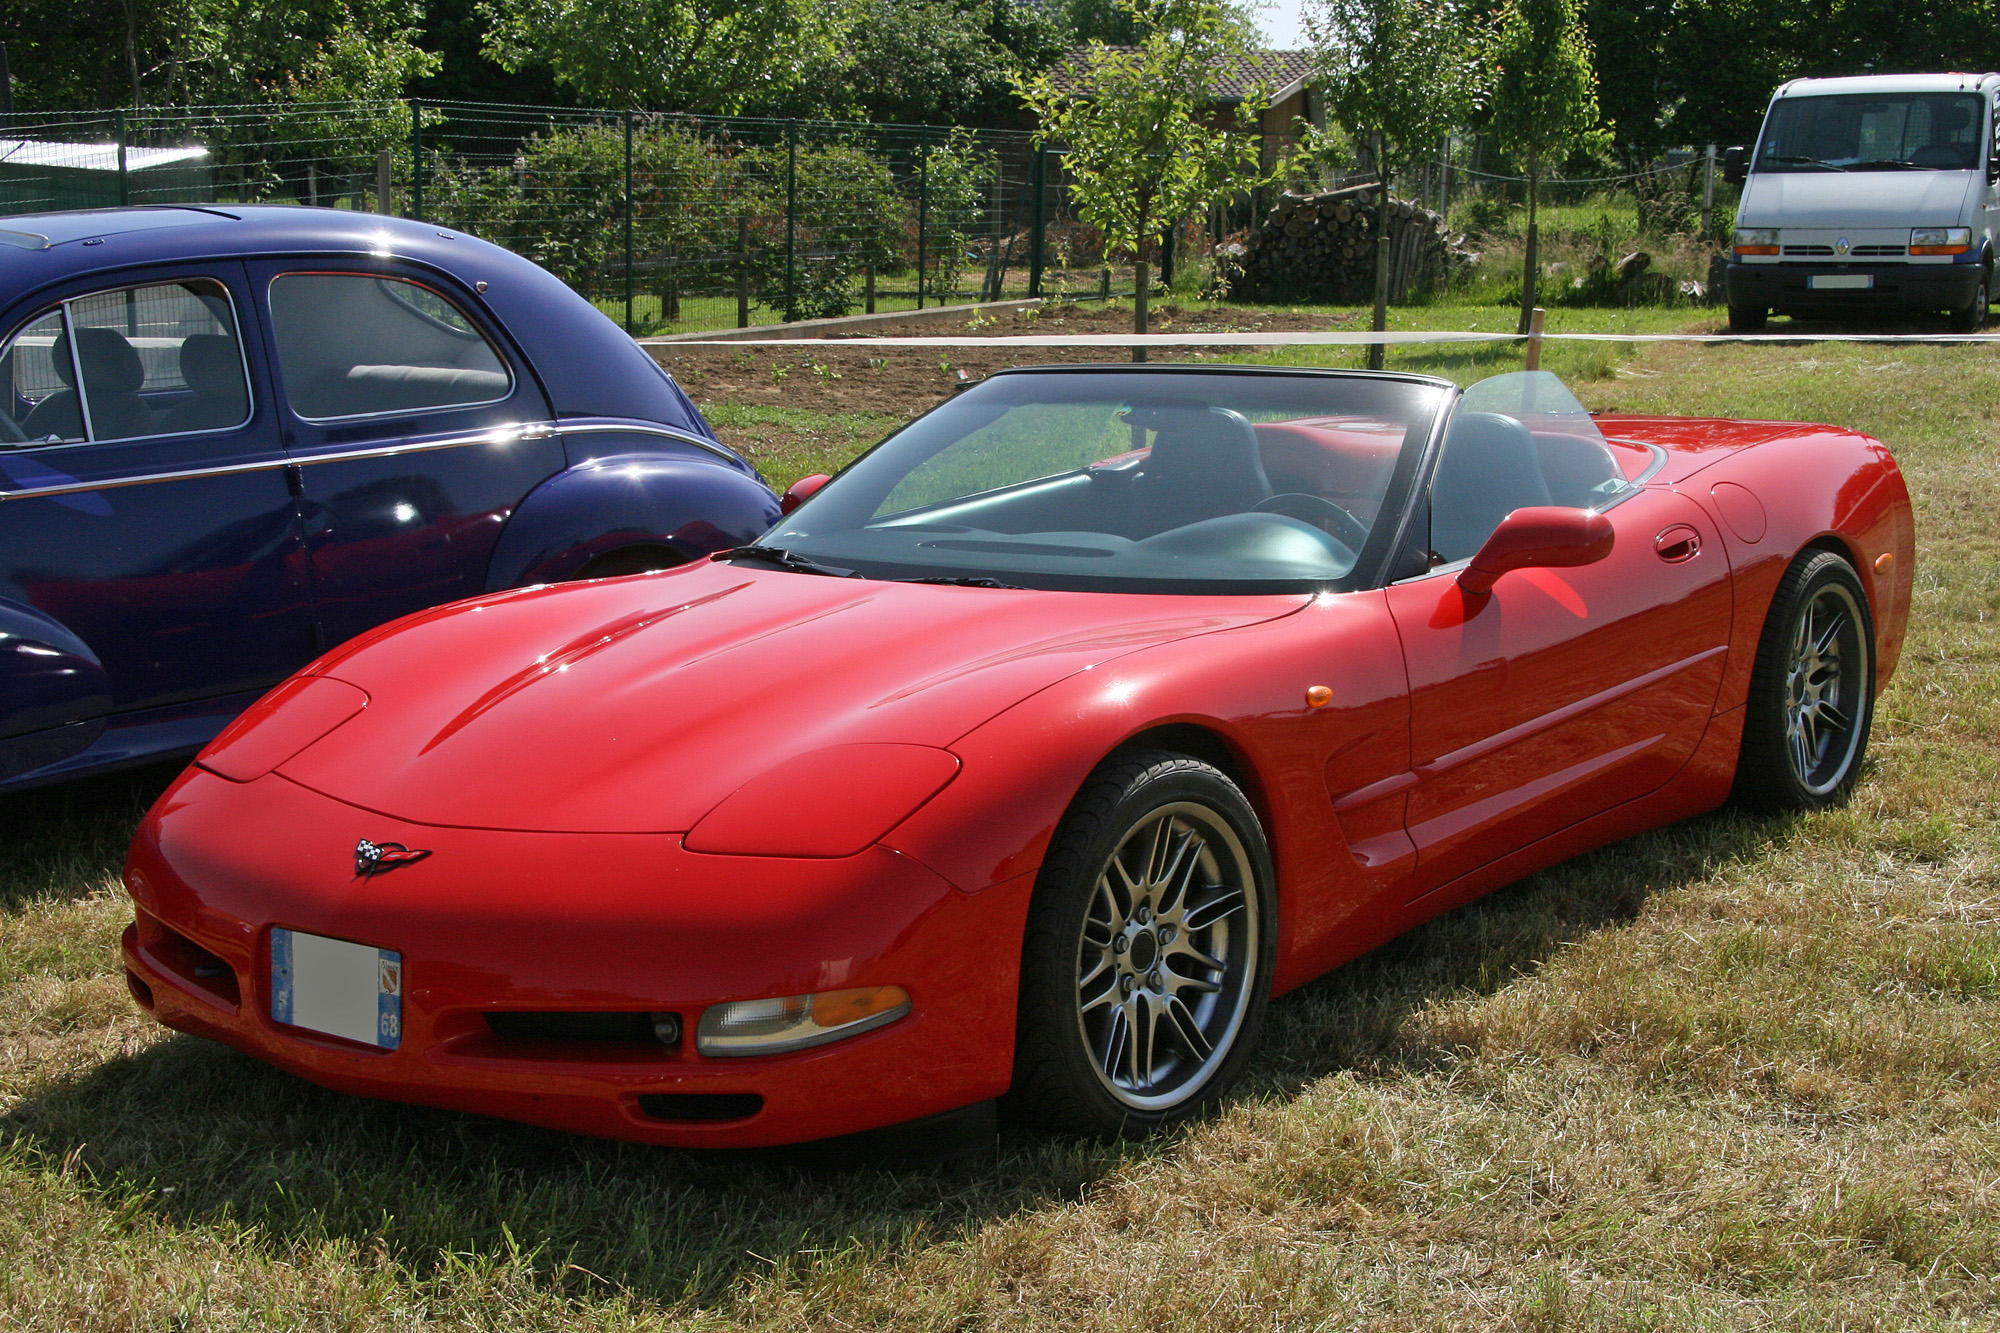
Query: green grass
x,y
1735,1074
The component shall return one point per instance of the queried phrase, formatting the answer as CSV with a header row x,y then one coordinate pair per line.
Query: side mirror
x,y
801,491
1734,169
1993,165
1538,536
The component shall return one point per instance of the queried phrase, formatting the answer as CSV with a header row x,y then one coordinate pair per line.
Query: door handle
x,y
1677,544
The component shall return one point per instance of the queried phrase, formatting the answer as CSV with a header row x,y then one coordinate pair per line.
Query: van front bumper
x,y
1788,289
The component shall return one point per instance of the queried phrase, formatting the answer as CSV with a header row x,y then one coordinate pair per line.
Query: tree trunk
x,y
1142,279
1531,276
1376,351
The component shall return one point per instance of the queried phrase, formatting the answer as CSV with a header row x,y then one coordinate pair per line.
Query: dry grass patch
x,y
1735,1074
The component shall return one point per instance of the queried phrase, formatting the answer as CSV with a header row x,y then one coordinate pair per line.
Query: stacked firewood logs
x,y
1323,245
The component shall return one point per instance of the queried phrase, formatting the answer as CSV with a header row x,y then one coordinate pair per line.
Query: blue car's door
x,y
416,428
148,525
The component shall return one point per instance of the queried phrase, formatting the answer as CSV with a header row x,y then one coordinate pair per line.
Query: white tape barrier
x,y
1360,339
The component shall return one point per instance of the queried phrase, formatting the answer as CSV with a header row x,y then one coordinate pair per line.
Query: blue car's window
x,y
1131,481
354,345
161,359
42,404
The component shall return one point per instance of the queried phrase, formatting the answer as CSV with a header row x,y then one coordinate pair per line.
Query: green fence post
x,y
1039,229
628,222
416,159
743,272
923,213
791,220
124,179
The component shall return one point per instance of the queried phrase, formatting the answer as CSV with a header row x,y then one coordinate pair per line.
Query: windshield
x,y
1873,132
1171,480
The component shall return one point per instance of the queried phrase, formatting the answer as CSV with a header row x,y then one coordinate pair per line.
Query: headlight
x,y
794,1022
1757,241
281,724
1940,240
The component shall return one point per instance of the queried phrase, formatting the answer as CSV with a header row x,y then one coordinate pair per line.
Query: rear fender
x,y
643,499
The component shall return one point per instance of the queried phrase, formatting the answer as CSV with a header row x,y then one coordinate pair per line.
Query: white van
x,y
1869,195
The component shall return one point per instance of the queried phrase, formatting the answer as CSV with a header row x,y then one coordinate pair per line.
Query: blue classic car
x,y
235,437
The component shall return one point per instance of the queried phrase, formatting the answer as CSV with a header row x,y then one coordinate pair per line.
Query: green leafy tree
x,y
1148,141
953,173
1544,103
1400,75
710,56
847,215
110,53
947,62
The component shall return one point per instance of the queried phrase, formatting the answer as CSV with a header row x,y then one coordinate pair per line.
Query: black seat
x,y
213,368
112,374
1204,464
1489,469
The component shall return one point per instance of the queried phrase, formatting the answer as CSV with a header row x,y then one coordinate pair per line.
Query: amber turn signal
x,y
1883,561
795,1022
1319,696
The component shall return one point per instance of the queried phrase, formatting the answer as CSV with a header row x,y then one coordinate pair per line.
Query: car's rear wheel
x,y
1812,692
1146,967
631,560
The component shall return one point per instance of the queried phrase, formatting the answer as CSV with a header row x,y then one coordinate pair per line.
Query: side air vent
x,y
574,1027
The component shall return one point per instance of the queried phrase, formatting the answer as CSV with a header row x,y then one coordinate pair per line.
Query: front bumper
x,y
1786,287
498,921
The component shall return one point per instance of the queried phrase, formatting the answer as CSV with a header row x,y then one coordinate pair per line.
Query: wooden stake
x,y
1535,320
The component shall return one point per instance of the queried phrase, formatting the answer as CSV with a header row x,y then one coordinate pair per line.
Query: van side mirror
x,y
801,491
1734,169
1540,536
1993,165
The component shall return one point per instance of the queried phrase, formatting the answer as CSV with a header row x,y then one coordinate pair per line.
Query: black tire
x,y
1748,318
1972,316
1812,691
1184,953
630,560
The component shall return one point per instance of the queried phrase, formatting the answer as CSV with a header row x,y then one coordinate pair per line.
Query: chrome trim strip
x,y
664,432
540,430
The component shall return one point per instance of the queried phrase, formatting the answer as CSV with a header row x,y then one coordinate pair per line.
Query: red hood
x,y
635,705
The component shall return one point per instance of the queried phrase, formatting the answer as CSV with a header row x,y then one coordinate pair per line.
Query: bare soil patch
x,y
819,378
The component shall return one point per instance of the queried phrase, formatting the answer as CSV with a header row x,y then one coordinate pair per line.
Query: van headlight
x,y
1940,240
1757,241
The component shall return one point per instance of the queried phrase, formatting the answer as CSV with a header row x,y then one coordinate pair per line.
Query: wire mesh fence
x,y
668,222
682,223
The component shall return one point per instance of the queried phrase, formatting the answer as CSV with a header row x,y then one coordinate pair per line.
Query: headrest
x,y
109,363
211,366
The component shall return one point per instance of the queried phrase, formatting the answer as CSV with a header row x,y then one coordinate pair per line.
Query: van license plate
x,y
1840,282
342,989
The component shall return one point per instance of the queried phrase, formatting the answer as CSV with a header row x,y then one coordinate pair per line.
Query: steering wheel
x,y
1322,513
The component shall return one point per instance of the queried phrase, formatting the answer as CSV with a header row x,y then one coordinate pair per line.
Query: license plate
x,y
1840,282
337,987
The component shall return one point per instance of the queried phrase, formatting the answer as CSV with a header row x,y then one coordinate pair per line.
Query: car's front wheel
x,y
1812,691
1748,318
1147,962
1972,316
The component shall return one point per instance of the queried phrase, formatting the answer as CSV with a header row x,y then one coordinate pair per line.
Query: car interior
x,y
352,345
155,360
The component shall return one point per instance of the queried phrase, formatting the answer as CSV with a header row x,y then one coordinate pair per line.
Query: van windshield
x,y
1873,132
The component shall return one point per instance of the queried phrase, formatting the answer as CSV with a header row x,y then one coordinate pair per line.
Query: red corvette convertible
x,y
1029,758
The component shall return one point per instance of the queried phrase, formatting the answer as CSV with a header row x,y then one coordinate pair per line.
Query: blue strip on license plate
x,y
337,987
